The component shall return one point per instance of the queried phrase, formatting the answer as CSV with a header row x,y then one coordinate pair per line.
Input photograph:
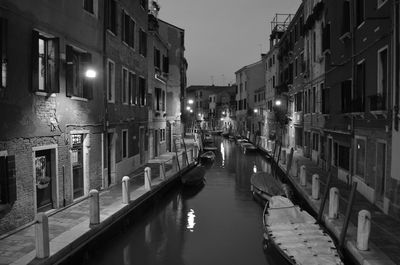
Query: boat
x,y
296,235
207,157
210,147
195,177
264,186
231,138
248,147
225,134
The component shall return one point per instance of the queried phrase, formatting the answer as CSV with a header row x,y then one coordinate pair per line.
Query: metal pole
x,y
326,192
347,217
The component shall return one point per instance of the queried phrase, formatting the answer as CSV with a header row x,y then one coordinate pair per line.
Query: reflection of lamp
x,y
278,102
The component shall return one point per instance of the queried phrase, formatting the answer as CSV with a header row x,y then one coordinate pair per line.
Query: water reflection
x,y
190,220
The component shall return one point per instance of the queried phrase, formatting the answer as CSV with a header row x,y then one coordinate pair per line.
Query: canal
x,y
218,223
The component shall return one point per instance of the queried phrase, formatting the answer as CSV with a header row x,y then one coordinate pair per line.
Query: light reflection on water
x,y
218,223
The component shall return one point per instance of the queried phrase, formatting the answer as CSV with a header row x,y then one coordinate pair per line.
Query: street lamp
x,y
278,102
90,73
255,110
190,101
188,108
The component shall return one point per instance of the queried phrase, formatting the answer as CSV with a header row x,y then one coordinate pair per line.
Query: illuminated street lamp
x,y
222,119
255,110
91,73
191,111
223,113
190,101
278,102
188,108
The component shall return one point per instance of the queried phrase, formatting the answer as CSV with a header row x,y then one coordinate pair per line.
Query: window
x,y
128,29
162,135
359,90
159,104
88,5
315,143
273,81
326,35
125,85
314,100
77,63
110,81
244,104
360,12
45,70
360,149
378,101
3,57
142,91
157,58
346,96
298,101
298,131
346,17
124,143
112,16
133,91
295,67
8,185
142,43
165,64
314,46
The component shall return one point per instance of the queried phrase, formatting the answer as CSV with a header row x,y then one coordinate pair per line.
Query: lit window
x,y
77,64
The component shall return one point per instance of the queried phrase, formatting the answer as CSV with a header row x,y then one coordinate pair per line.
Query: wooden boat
x,y
195,177
225,134
207,157
248,147
264,186
296,236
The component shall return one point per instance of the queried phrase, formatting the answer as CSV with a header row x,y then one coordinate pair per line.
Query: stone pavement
x,y
384,243
70,225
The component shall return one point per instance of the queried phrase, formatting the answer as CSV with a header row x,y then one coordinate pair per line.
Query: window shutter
x,y
55,87
11,179
69,76
35,60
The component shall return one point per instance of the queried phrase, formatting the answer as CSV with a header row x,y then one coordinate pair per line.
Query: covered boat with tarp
x,y
265,185
296,235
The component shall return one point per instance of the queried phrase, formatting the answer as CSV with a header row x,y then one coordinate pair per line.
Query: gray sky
x,y
223,35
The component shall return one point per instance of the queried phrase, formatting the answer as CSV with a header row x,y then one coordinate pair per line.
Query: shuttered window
x,y
45,63
76,82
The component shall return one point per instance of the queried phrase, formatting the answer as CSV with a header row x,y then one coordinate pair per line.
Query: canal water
x,y
218,223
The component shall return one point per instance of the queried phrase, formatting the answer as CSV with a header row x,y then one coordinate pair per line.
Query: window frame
x,y
380,3
128,36
125,86
358,21
112,26
379,75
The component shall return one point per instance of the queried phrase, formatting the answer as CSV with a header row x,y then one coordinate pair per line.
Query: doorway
x,y
110,158
380,172
77,165
45,179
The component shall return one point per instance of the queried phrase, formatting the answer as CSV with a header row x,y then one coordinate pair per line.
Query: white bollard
x,y
174,164
162,170
363,229
42,236
283,156
303,178
126,195
315,187
94,205
333,203
147,178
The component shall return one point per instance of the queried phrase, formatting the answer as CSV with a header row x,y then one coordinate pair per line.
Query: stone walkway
x,y
70,224
384,243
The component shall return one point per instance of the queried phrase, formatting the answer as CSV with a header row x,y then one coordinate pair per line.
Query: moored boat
x,y
195,177
264,186
207,157
296,235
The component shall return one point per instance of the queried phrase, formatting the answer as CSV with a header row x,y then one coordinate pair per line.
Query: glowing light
x,y
278,102
199,114
223,113
191,111
190,101
190,220
222,119
90,73
255,168
255,110
188,108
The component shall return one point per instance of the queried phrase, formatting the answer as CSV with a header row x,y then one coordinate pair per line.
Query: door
x,y
156,141
380,171
77,165
43,173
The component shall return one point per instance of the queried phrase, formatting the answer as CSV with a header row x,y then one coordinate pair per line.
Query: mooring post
x,y
333,203
348,213
324,198
363,229
303,176
162,170
315,187
147,178
94,207
42,236
126,195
